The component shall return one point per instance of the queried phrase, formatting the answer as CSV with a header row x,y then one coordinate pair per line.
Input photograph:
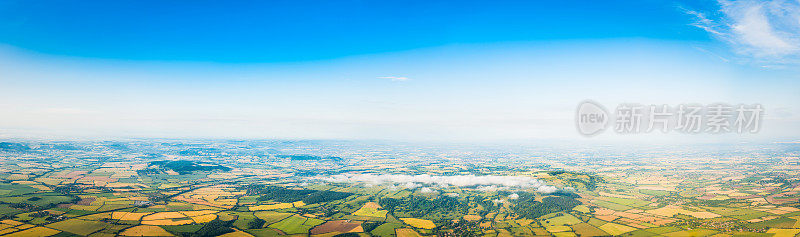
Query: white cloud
x,y
491,188
426,190
411,185
547,189
486,183
498,201
769,31
395,78
513,196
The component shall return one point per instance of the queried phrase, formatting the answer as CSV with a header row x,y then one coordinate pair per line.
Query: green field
x,y
296,224
613,206
738,213
177,229
38,199
272,217
386,230
78,226
565,219
243,220
627,202
9,211
263,232
370,212
16,189
694,232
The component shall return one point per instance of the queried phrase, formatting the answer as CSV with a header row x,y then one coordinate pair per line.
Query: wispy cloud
x,y
395,78
768,31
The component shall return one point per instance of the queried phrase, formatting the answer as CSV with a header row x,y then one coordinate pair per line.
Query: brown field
x,y
341,226
86,201
71,175
472,217
372,205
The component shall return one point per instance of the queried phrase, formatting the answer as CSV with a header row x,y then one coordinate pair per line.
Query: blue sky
x,y
413,70
280,31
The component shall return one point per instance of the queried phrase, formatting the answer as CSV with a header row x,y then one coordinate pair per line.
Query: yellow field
x,y
24,226
557,228
97,217
406,233
84,208
35,232
371,212
237,233
582,208
524,222
7,230
163,215
271,207
704,214
419,223
198,213
128,216
204,218
145,230
41,187
784,232
616,229
167,222
12,222
668,211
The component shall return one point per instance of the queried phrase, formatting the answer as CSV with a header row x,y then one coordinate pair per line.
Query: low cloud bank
x,y
484,183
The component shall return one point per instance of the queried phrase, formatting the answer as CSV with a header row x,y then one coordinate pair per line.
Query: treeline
x,y
419,206
526,205
589,181
281,194
186,166
216,227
